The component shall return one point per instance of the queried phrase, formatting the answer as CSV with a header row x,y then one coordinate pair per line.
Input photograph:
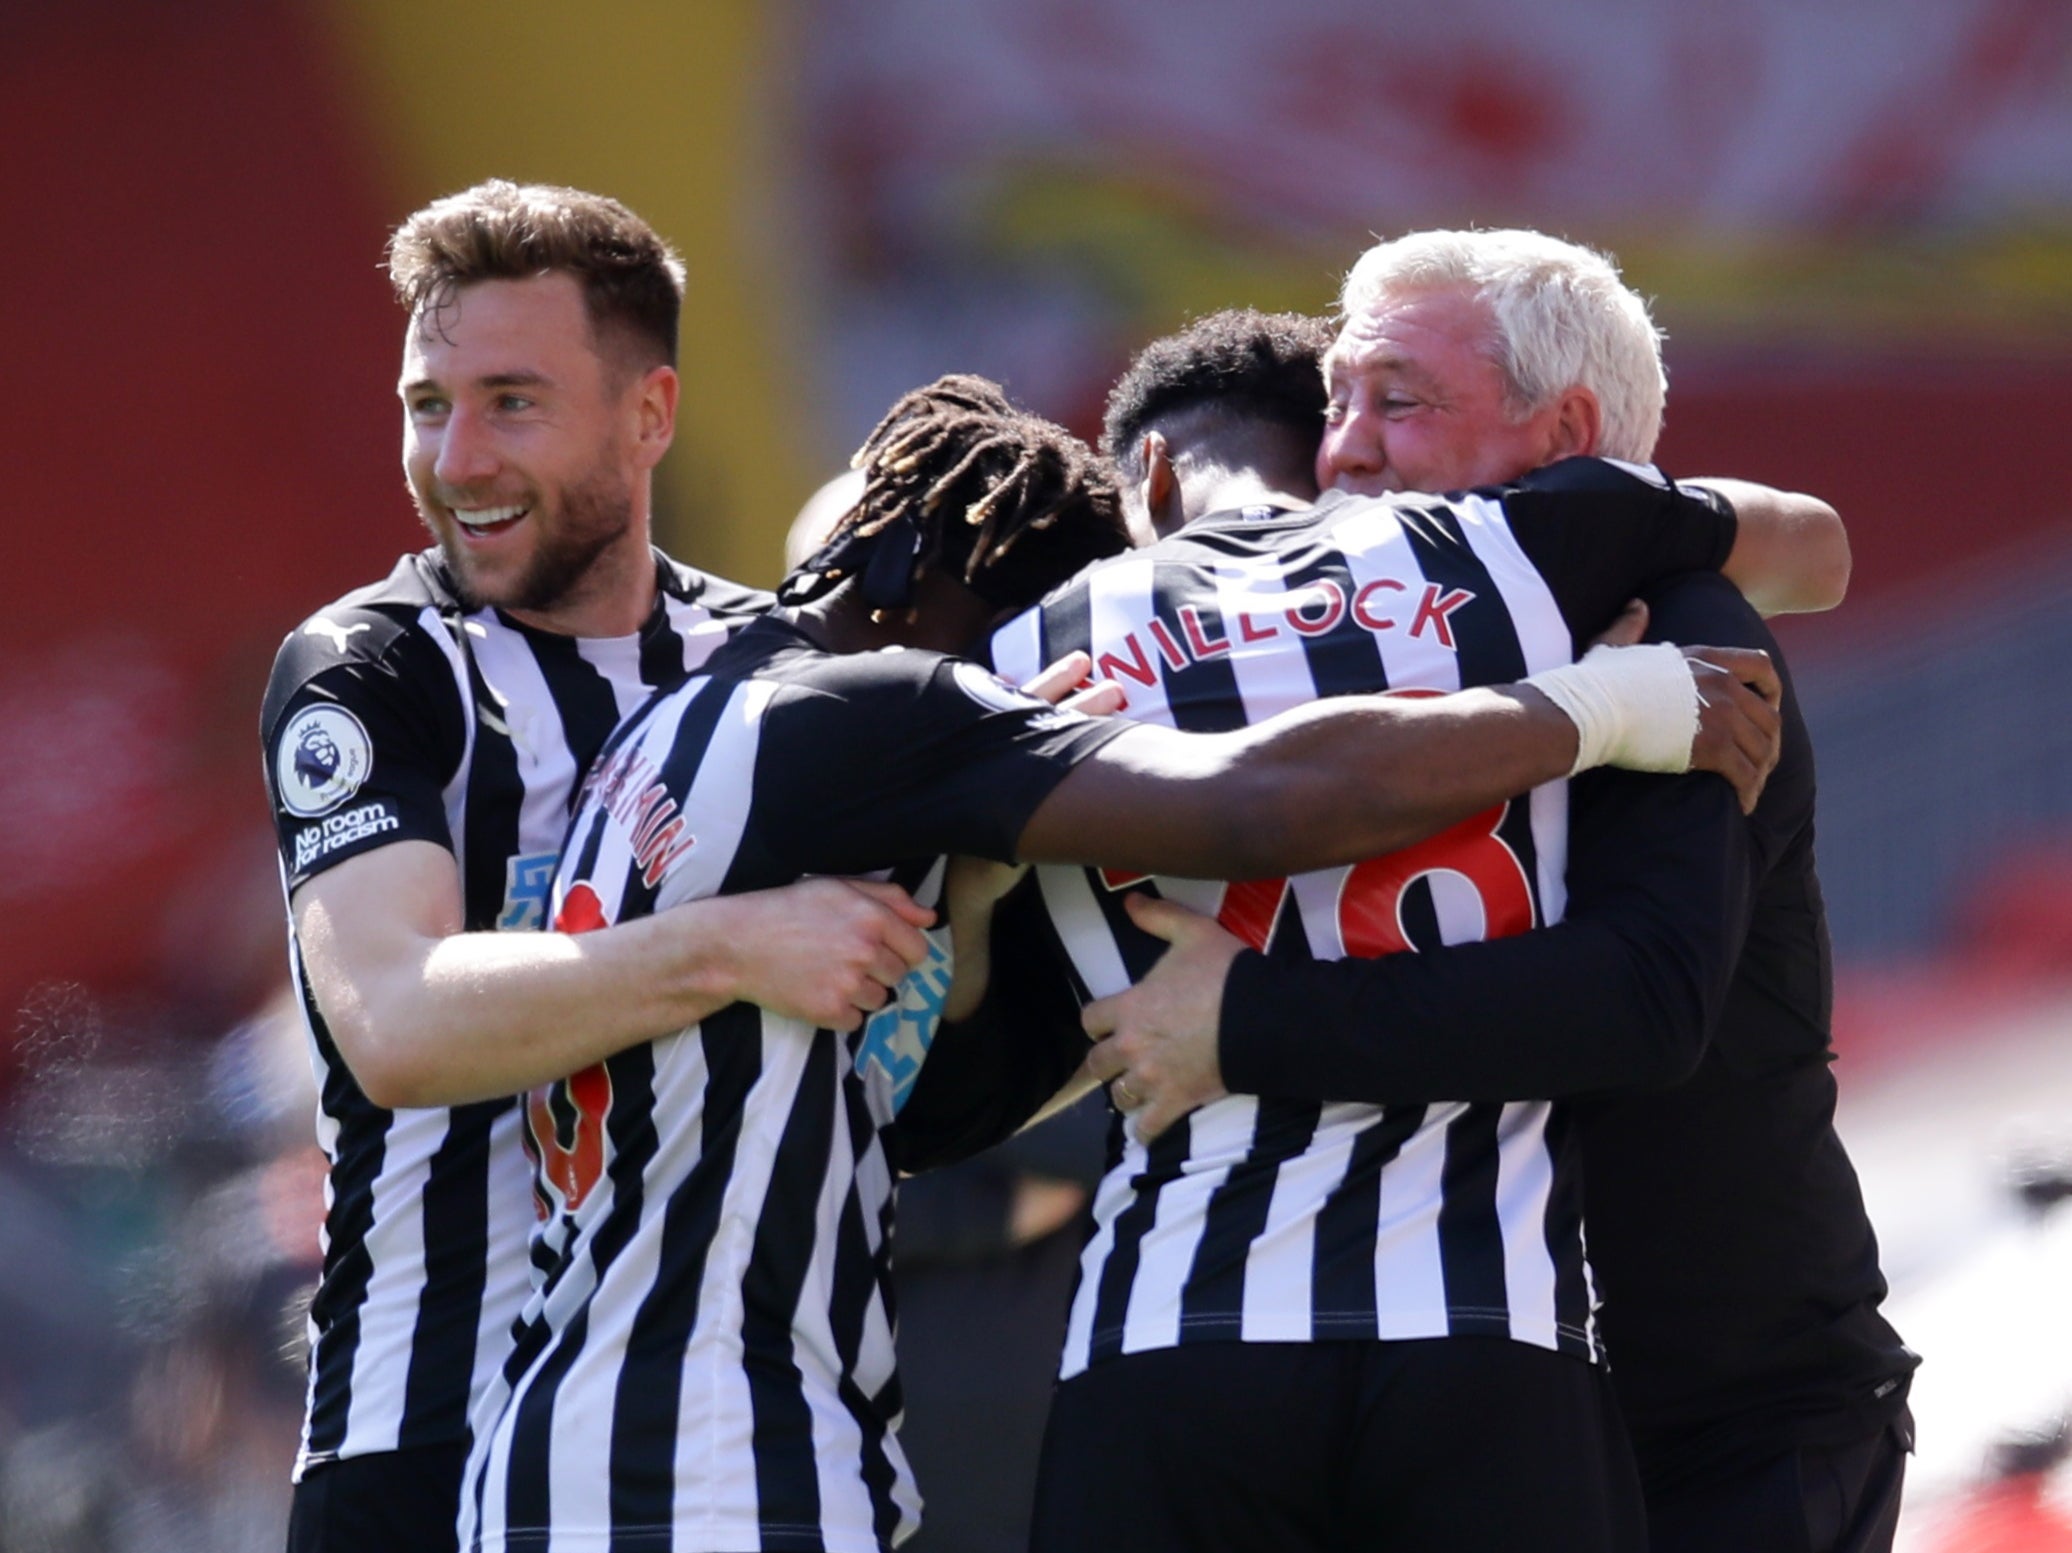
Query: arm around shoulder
x,y
1791,552
1324,784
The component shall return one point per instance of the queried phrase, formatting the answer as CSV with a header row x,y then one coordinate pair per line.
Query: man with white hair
x,y
1765,1392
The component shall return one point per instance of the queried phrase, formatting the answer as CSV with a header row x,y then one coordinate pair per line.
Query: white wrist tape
x,y
1635,707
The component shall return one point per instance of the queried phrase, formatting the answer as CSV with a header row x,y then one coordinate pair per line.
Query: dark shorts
x,y
1816,1499
1456,1445
394,1501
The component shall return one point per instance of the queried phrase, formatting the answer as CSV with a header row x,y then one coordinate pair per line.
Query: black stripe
x,y
1212,1302
861,1280
787,1232
1342,1292
495,801
1067,624
348,1265
1346,660
645,1405
582,698
631,1126
1163,1163
456,1250
688,747
1471,1232
1487,643
1485,637
1202,697
663,652
1564,1231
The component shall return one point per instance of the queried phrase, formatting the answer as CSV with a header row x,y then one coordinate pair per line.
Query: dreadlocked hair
x,y
958,477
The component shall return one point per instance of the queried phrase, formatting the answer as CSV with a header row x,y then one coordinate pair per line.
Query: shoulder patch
x,y
321,758
988,689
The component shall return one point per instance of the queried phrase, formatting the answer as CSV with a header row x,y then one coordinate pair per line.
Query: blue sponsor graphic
x,y
526,879
898,1035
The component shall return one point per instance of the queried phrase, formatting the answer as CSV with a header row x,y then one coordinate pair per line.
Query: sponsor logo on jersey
x,y
322,759
314,842
898,1036
526,880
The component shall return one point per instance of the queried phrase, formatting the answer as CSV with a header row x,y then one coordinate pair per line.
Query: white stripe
x,y
1112,1196
1281,1265
617,658
545,765
396,1254
1377,551
507,1276
1068,895
1269,679
701,632
1525,1181
1017,648
1543,636
1221,1132
1409,1277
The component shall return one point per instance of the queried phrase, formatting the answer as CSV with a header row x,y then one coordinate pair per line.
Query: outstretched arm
x,y
426,1014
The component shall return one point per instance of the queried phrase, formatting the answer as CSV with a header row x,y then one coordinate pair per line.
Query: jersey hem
x,y
737,1537
1350,1327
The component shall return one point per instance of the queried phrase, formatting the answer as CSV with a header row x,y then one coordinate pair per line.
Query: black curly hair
x,y
1226,373
958,476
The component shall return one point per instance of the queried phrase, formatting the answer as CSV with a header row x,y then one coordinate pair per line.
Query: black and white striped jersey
x,y
397,714
708,1362
1278,1221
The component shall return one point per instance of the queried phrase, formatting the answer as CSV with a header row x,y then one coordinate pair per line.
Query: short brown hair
x,y
632,280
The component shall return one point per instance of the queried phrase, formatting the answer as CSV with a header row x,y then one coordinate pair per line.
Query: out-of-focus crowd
x,y
158,1202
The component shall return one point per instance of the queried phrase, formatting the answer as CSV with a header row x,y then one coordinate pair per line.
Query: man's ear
x,y
1578,425
654,412
1161,486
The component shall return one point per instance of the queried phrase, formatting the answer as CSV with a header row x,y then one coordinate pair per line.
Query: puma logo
x,y
337,633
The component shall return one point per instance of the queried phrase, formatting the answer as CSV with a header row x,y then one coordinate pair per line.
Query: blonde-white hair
x,y
1563,319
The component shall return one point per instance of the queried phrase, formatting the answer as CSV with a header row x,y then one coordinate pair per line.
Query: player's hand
x,y
1065,684
1629,630
1739,730
1155,1045
827,951
1042,1206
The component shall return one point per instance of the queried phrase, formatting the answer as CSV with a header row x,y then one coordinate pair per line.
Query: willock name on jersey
x,y
1274,1221
398,714
709,1361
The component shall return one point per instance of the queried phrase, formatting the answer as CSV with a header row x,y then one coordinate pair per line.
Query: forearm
x,y
1623,993
473,1016
1335,782
1791,551
1566,1011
